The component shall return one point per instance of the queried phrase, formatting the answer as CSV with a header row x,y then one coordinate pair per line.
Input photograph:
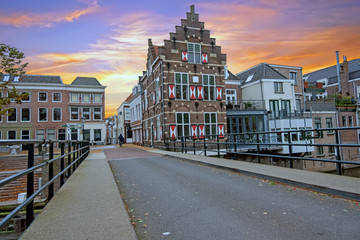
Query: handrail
x,y
80,151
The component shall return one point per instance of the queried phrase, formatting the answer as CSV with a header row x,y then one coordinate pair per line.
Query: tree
x,y
11,64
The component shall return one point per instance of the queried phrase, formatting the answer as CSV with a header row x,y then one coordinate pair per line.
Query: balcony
x,y
245,105
283,114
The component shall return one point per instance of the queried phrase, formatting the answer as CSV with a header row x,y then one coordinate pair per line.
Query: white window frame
x,y
94,114
47,134
71,97
82,113
46,94
94,98
295,79
127,114
82,97
181,85
53,114
278,87
233,96
182,124
208,87
78,113
29,96
16,118
21,115
47,115
53,96
210,124
191,51
36,133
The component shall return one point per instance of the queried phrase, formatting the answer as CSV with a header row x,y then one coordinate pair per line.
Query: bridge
x,y
144,193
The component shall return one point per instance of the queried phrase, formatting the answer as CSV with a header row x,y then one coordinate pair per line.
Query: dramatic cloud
x,y
46,20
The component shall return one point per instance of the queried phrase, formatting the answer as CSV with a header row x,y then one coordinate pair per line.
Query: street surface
x,y
169,198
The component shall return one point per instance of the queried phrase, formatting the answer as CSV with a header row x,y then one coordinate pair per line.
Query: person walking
x,y
121,139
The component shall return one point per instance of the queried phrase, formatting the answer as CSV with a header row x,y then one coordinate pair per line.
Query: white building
x,y
136,115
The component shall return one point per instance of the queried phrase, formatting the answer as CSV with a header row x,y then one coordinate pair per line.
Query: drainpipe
x,y
162,100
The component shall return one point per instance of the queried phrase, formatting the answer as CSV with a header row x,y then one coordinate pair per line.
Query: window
x,y
87,134
42,114
292,75
344,121
127,114
97,113
12,115
210,124
57,97
86,113
74,97
40,134
51,134
230,96
285,107
319,150
317,122
25,114
42,97
11,134
97,135
350,121
209,87
331,150
278,87
294,135
329,124
85,98
74,134
97,98
27,99
183,124
74,113
181,86
56,114
274,108
25,134
194,53
61,134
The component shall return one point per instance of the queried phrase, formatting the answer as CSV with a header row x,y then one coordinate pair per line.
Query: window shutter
x,y
221,130
201,131
194,131
204,58
173,132
161,133
192,93
218,93
184,56
171,91
155,133
200,92
153,97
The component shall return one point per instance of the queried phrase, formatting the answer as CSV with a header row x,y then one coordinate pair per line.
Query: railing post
x,y
62,147
235,147
30,186
194,145
182,144
77,154
258,146
218,145
205,146
338,155
69,158
51,171
174,145
185,145
290,151
74,156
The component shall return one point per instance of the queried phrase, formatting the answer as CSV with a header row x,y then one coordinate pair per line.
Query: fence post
x,y
290,151
185,145
338,155
205,146
194,145
74,155
182,144
62,147
258,146
218,145
235,147
69,158
51,171
30,186
174,145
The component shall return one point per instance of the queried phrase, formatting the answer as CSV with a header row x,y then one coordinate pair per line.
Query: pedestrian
x,y
121,139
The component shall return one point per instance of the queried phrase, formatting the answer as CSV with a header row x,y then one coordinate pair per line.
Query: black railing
x,y
274,144
77,152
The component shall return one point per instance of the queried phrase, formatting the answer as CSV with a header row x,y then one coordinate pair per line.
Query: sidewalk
x,y
88,206
347,187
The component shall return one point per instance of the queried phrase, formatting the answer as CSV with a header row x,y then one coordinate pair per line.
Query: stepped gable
x,y
261,71
85,81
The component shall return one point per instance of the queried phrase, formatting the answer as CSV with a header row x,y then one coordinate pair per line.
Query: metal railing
x,y
77,151
266,144
245,104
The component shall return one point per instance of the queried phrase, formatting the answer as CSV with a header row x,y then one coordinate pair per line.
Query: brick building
x,y
55,110
182,89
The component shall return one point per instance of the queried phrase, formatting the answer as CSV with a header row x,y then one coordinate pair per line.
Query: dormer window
x,y
6,78
16,79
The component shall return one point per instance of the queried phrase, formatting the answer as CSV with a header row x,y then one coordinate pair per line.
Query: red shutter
x,y
200,92
194,131
155,133
173,131
204,58
201,131
192,93
218,93
221,130
184,56
171,91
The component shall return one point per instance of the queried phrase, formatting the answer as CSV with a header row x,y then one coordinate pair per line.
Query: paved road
x,y
168,198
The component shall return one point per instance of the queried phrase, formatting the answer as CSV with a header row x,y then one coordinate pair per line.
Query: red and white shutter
x,y
155,133
184,56
204,58
221,130
218,93
161,135
192,93
201,131
153,97
194,131
200,92
171,91
173,131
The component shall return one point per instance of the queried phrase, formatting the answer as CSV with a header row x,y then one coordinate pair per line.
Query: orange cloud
x,y
45,19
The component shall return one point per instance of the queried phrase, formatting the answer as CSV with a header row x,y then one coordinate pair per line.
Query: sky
x,y
107,39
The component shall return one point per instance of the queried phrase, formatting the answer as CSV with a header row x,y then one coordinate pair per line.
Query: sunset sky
x,y
107,39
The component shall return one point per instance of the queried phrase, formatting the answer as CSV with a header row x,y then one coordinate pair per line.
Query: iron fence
x,y
77,151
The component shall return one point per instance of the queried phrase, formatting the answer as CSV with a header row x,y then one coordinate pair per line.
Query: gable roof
x,y
86,81
231,76
34,79
261,71
331,72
